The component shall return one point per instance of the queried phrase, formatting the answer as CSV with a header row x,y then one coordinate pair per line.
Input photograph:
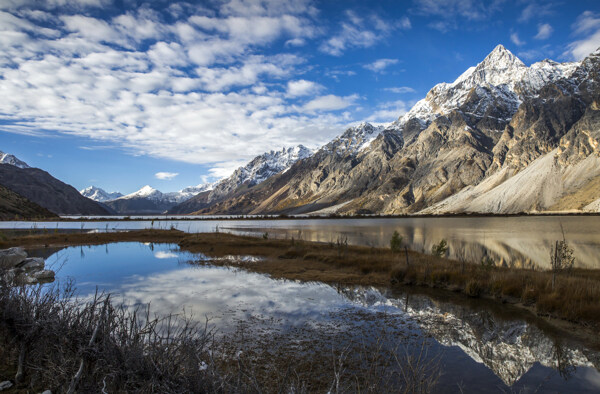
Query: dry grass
x,y
48,340
575,297
49,238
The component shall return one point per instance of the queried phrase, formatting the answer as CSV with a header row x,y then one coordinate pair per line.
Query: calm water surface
x,y
480,347
514,241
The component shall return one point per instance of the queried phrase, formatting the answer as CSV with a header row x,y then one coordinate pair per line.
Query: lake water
x,y
480,346
514,241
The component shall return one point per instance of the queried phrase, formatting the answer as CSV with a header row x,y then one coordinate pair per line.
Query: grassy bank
x,y
573,298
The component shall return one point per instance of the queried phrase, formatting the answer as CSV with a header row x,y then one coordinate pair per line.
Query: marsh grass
x,y
51,340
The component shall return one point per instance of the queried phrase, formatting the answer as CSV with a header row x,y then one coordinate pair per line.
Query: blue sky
x,y
114,92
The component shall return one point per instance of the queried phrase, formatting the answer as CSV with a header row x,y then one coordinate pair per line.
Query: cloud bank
x,y
193,83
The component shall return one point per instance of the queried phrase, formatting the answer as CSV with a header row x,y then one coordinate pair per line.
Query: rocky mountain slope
x,y
14,207
46,191
502,138
257,171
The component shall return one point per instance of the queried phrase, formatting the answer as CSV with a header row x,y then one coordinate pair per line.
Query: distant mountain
x,y
14,207
502,138
6,158
148,200
258,170
98,194
43,189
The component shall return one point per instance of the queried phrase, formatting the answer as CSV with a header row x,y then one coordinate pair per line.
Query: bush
x,y
473,288
487,263
396,242
440,249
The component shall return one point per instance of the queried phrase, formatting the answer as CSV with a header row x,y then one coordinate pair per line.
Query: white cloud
x,y
359,32
544,31
531,54
198,89
586,26
165,176
400,89
302,87
389,111
295,42
50,4
380,65
167,97
453,12
404,23
329,102
535,10
514,37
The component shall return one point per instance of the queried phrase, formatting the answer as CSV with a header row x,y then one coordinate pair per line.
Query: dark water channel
x,y
479,346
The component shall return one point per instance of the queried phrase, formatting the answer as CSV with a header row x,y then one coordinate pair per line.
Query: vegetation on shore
x,y
571,295
51,340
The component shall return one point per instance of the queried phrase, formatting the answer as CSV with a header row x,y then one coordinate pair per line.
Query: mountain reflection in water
x,y
522,241
480,348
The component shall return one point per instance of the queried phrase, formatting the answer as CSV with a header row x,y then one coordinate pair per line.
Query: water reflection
x,y
482,348
512,241
510,347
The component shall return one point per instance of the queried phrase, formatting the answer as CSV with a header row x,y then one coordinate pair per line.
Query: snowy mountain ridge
x,y
501,75
261,168
355,139
98,194
7,158
147,192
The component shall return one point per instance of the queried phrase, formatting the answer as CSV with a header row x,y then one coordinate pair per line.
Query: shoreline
x,y
188,217
337,263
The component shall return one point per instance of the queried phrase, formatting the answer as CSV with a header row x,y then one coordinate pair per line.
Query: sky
x,y
124,93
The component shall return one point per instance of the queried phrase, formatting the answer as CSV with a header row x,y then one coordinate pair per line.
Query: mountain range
x,y
148,200
502,138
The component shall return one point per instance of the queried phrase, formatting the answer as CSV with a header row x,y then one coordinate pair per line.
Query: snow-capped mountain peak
x,y
145,192
98,194
270,163
500,78
261,168
6,158
354,139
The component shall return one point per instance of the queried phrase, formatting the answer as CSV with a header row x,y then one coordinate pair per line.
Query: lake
x,y
514,241
480,346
